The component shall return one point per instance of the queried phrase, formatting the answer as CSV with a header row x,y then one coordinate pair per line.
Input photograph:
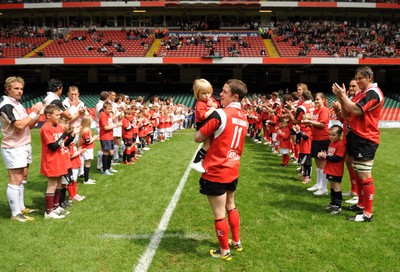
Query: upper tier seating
x,y
286,49
78,48
255,44
17,47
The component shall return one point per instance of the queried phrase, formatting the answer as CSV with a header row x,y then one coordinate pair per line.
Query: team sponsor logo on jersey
x,y
233,155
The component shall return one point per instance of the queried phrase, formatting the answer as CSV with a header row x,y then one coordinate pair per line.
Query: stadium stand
x,y
114,43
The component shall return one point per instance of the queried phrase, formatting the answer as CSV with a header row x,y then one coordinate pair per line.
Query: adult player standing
x,y
363,139
227,127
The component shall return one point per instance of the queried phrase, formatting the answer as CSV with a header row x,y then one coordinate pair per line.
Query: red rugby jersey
x,y
371,102
337,148
228,127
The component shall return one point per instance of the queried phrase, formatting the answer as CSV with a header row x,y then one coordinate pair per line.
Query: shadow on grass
x,y
178,242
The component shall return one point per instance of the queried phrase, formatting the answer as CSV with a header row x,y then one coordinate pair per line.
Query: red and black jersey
x,y
227,127
305,107
305,142
335,168
371,102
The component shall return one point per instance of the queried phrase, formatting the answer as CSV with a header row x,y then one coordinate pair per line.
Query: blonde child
x,y
334,167
205,105
76,163
86,142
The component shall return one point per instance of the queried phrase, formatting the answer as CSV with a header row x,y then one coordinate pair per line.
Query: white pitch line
x,y
145,236
147,257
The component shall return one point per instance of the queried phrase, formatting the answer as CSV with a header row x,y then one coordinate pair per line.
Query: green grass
x,y
284,227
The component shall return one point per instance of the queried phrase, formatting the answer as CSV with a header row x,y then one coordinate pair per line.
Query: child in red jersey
x,y
106,126
72,179
273,123
86,142
304,139
205,105
127,136
283,137
334,167
54,138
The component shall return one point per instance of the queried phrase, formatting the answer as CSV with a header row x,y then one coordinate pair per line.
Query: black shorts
x,y
318,146
360,148
107,145
305,159
216,188
128,141
334,178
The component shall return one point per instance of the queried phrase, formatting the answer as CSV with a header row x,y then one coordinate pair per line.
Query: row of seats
x,y
286,49
255,44
78,48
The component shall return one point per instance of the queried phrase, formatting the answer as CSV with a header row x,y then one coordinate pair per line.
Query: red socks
x,y
368,195
234,223
353,179
222,231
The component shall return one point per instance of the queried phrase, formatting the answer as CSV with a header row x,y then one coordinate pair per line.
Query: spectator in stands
x,y
16,147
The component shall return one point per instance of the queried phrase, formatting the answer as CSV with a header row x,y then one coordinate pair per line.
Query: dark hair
x,y
54,85
339,129
237,87
104,95
366,72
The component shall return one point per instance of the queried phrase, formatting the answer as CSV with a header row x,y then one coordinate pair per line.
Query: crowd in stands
x,y
55,1
336,38
342,38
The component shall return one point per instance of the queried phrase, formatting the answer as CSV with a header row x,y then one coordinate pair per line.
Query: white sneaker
x,y
321,192
314,188
349,193
89,182
354,200
77,198
53,215
198,167
113,170
61,211
107,172
146,148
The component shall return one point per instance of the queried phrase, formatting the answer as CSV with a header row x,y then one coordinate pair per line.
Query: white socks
x,y
21,196
321,178
13,192
99,160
